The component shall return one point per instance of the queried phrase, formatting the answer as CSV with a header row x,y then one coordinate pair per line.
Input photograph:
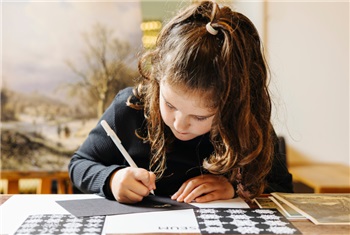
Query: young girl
x,y
197,124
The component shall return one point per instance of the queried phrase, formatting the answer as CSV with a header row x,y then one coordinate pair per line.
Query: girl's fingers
x,y
153,181
148,179
130,197
179,191
203,189
145,181
188,188
130,185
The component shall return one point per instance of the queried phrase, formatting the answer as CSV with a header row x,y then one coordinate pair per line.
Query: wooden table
x,y
305,226
323,178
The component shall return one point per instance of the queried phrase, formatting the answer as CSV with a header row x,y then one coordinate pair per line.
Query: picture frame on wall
x,y
63,63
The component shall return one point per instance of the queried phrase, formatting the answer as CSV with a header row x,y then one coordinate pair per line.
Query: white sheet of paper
x,y
176,221
16,209
179,221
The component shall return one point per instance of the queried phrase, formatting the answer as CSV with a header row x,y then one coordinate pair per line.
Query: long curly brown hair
x,y
231,68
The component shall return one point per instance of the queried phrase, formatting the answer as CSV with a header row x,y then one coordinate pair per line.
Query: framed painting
x,y
63,63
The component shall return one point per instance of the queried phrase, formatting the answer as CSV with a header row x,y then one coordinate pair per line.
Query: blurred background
x,y
64,61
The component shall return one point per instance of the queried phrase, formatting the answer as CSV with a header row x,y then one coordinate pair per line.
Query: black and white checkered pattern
x,y
61,224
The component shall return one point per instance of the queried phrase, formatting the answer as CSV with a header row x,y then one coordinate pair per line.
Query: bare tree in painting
x,y
8,106
107,68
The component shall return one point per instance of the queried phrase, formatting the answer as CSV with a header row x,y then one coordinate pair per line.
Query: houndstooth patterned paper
x,y
61,224
243,221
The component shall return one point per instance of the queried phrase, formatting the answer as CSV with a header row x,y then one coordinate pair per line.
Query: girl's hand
x,y
131,185
204,188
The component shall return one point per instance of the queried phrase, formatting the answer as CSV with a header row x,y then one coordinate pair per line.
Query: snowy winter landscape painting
x,y
62,64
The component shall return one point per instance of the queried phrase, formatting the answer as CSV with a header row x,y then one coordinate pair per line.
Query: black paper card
x,y
102,206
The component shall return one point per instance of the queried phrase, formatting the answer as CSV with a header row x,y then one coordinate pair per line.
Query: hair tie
x,y
210,29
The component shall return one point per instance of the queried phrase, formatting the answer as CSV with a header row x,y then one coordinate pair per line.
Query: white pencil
x,y
119,145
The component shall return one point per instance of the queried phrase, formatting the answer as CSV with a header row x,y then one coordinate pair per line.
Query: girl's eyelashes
x,y
198,118
170,106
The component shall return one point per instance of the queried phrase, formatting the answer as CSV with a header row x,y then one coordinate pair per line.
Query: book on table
x,y
287,211
320,208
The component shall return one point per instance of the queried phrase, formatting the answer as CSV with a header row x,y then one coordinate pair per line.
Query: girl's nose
x,y
181,123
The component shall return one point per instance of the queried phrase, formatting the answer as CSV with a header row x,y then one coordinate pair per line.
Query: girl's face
x,y
184,112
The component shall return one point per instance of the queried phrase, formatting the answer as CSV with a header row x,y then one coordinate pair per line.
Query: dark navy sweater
x,y
97,158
